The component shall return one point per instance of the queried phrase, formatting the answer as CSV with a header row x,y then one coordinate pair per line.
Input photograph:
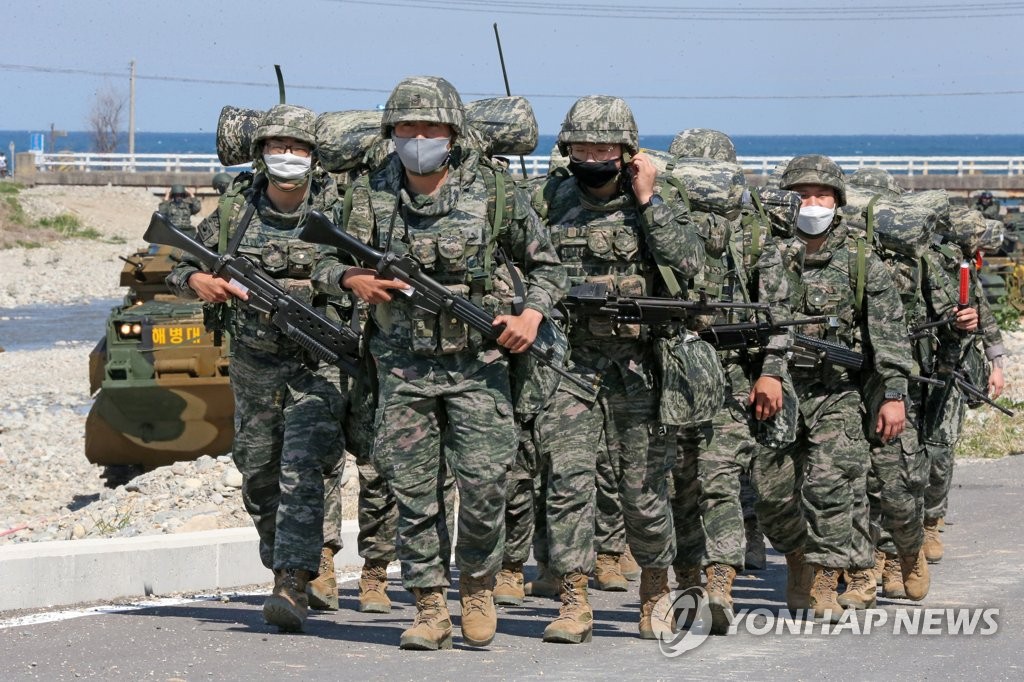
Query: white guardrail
x,y
538,165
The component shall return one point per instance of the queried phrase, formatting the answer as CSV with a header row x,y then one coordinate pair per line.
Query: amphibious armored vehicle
x,y
162,379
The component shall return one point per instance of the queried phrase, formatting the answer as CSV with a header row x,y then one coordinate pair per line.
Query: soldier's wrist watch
x,y
653,201
892,394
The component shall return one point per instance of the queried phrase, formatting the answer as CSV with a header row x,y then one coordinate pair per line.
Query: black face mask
x,y
594,173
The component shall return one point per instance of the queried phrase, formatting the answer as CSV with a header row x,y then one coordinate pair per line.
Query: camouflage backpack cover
x,y
900,224
235,129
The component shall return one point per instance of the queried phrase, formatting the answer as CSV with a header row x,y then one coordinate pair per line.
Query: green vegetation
x,y
17,229
1007,316
991,434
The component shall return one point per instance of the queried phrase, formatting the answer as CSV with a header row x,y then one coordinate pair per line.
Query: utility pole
x,y
131,113
54,134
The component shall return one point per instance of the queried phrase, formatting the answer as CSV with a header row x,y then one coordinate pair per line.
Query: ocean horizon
x,y
746,145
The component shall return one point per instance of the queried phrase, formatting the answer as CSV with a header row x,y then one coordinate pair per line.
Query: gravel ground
x,y
50,490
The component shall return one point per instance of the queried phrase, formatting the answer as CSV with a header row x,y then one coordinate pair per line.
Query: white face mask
x,y
422,155
287,166
815,220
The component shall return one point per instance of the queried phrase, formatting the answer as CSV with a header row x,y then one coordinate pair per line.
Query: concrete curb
x,y
63,572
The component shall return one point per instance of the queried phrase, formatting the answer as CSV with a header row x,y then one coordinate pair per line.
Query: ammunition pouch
x,y
691,380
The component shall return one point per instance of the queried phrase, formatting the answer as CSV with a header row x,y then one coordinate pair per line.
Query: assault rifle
x,y
593,299
963,382
324,339
426,293
924,330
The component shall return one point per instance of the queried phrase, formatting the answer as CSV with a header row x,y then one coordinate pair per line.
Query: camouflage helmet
x,y
424,98
703,143
992,238
178,190
599,118
815,169
285,120
876,180
221,181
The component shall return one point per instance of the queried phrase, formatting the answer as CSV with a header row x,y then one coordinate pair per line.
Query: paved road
x,y
227,640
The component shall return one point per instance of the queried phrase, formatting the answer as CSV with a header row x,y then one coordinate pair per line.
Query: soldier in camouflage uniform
x,y
610,227
443,390
179,206
826,468
989,207
287,411
712,522
946,409
899,468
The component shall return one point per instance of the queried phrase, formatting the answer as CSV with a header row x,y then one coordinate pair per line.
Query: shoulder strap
x,y
543,195
346,204
755,229
863,244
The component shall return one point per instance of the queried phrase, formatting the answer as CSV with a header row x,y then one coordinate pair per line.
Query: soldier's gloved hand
x,y
520,330
892,417
766,397
967,319
214,289
365,284
995,382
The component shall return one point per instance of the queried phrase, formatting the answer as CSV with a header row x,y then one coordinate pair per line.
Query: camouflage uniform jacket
x,y
613,242
450,235
180,211
270,240
827,286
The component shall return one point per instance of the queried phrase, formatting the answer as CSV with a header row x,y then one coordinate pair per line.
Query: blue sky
x,y
758,67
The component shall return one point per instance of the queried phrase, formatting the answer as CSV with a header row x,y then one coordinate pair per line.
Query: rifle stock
x,y
426,292
321,337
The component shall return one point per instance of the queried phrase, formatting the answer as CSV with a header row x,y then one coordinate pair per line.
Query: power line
x,y
789,14
535,95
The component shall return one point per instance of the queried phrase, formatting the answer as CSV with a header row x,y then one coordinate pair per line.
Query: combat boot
x,y
575,622
432,627
322,592
879,566
932,541
755,558
479,618
799,578
655,612
687,576
892,579
720,577
373,587
608,574
861,590
287,605
823,593
940,523
628,566
916,580
508,586
546,584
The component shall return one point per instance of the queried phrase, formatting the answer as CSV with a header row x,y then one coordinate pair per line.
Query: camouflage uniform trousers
x,y
435,414
807,491
941,437
896,483
287,436
333,491
633,464
711,460
563,441
378,514
520,516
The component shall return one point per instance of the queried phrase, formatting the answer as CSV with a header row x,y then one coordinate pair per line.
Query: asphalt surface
x,y
226,639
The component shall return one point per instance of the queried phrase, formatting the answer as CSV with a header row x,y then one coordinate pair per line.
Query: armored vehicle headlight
x,y
125,329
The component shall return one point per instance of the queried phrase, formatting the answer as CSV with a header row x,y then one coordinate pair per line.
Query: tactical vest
x,y
596,243
456,245
281,255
